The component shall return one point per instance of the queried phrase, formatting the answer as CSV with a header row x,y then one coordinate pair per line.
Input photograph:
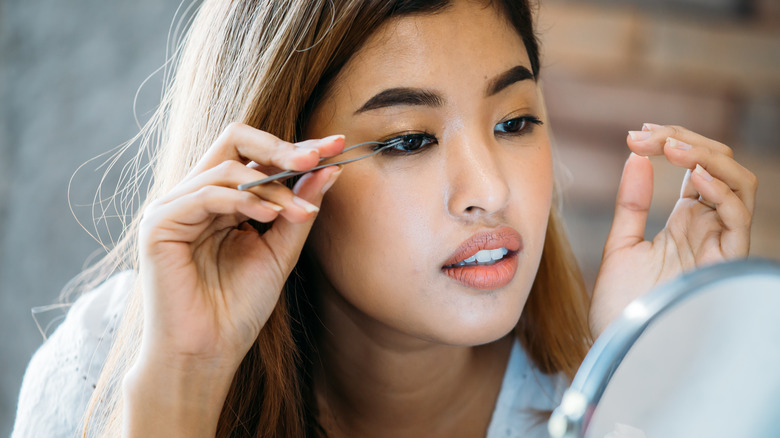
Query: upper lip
x,y
504,237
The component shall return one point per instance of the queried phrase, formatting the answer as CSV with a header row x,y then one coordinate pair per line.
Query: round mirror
x,y
697,357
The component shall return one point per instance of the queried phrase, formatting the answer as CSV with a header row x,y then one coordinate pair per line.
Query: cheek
x,y
537,197
370,235
532,185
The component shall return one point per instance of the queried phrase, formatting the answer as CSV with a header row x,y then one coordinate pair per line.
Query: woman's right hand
x,y
210,280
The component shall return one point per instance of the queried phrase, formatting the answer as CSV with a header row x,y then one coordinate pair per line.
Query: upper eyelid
x,y
395,137
522,115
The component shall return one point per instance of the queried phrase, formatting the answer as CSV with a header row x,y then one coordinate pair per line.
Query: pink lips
x,y
486,277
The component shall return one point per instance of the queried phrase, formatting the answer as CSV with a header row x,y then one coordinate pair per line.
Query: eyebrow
x,y
515,74
402,96
422,97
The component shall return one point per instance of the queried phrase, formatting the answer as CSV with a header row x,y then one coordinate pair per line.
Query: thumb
x,y
287,238
633,204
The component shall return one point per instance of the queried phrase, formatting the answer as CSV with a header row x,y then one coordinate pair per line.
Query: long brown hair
x,y
268,64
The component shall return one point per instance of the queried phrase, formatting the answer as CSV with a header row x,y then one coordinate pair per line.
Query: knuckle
x,y
752,180
204,193
226,168
708,154
247,198
279,150
743,216
233,128
229,135
279,193
150,219
677,130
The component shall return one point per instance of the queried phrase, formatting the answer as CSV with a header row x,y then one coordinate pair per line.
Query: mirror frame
x,y
572,417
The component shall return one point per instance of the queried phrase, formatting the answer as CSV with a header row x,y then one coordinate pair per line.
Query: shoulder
x,y
62,373
526,394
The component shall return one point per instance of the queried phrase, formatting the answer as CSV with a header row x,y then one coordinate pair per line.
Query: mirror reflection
x,y
697,358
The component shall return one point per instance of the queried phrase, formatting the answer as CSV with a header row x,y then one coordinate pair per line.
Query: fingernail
x,y
639,135
306,205
331,138
275,207
305,151
677,144
650,127
331,180
703,173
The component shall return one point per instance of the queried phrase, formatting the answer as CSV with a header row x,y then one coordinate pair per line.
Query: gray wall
x,y
68,74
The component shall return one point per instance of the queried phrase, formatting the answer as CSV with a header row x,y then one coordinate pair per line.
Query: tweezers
x,y
281,176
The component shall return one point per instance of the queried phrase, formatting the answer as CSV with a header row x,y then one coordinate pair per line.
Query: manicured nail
x,y
703,173
275,207
677,144
304,151
639,135
331,180
331,138
306,205
650,127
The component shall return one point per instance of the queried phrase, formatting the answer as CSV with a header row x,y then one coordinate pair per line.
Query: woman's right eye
x,y
408,144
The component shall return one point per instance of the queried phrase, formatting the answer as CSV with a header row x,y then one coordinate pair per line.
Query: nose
x,y
477,187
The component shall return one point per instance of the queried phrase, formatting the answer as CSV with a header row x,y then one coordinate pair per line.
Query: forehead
x,y
463,44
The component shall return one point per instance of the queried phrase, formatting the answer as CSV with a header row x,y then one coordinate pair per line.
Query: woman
x,y
431,292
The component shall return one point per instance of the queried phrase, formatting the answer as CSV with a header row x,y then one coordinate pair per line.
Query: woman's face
x,y
473,177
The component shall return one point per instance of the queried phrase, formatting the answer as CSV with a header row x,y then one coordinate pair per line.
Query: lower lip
x,y
486,277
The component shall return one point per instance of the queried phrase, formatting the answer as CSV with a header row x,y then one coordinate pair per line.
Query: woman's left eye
x,y
517,125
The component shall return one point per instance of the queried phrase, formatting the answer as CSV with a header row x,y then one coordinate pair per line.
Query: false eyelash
x,y
399,139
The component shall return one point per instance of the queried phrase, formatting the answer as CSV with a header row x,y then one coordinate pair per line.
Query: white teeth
x,y
486,256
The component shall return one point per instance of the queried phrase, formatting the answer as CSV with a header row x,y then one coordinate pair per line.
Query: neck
x,y
372,380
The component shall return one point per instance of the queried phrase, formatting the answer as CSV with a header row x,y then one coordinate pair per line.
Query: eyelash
x,y
527,124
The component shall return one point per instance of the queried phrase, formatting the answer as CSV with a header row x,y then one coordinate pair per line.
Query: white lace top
x,y
62,374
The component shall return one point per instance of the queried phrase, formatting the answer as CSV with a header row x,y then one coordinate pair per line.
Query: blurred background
x,y
69,72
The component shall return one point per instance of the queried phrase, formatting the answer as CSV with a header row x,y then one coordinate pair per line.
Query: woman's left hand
x,y
710,222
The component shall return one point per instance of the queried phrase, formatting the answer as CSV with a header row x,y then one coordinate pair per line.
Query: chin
x,y
471,328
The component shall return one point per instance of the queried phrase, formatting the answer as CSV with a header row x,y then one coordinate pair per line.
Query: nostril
x,y
472,209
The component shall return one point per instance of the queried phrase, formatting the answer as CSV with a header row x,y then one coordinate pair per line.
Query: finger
x,y
651,140
633,204
325,147
230,174
245,144
288,237
184,219
723,167
688,190
734,215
